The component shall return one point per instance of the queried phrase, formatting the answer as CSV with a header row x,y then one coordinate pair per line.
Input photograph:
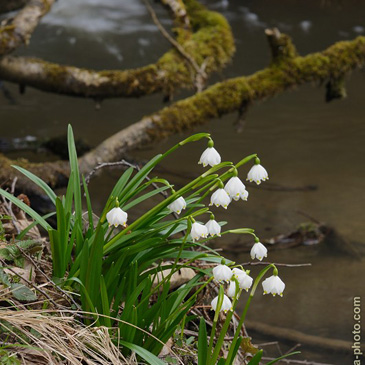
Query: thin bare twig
x,y
276,264
36,266
293,348
201,76
304,362
29,283
9,211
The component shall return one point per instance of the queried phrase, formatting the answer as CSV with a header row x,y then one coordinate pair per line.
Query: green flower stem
x,y
239,231
186,264
222,334
187,303
110,233
180,250
245,160
243,316
216,317
161,205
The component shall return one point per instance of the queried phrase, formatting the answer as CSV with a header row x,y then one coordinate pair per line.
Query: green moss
x,y
228,96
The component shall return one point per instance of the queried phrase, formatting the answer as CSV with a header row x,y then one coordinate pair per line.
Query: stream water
x,y
301,140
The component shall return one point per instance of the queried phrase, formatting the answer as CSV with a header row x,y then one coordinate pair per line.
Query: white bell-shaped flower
x,y
258,251
198,231
222,273
116,217
273,285
236,189
244,280
257,174
244,196
214,229
220,197
231,291
210,157
178,205
226,305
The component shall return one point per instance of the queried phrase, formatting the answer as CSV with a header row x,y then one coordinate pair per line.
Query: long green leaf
x,y
24,232
118,188
233,351
88,203
145,197
105,303
26,209
141,175
202,343
145,354
256,359
38,181
74,166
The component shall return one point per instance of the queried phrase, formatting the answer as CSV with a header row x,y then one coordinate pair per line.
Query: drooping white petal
x,y
226,305
231,291
237,272
214,229
220,197
210,157
198,231
117,216
273,285
236,189
222,273
257,174
244,196
258,251
178,205
244,280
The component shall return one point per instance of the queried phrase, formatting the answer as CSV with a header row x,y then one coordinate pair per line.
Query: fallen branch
x,y
227,96
217,100
20,29
210,45
201,76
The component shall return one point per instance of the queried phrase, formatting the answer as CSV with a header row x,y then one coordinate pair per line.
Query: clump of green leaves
x,y
120,276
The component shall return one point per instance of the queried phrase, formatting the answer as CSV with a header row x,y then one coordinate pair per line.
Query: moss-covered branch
x,y
210,42
219,99
228,96
19,30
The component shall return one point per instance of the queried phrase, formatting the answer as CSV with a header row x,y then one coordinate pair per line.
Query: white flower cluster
x,y
222,273
211,228
223,196
234,189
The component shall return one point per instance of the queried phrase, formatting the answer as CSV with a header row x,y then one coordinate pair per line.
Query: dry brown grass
x,y
58,338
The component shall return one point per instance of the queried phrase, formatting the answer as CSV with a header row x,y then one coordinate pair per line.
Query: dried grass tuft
x,y
58,338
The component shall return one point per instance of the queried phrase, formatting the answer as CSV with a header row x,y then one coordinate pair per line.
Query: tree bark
x,y
211,44
217,100
20,29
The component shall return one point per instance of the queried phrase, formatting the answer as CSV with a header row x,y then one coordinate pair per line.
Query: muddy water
x,y
301,140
